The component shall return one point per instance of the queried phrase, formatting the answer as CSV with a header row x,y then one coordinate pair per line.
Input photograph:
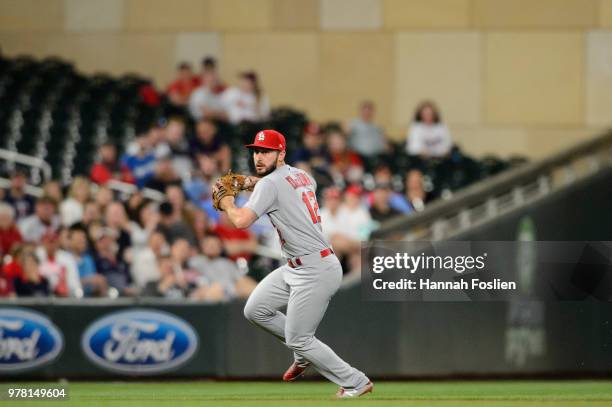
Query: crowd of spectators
x,y
86,239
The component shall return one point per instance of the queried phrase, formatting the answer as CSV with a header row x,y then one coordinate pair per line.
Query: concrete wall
x,y
511,76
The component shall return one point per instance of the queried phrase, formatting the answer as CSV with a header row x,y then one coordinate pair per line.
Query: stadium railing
x,y
501,193
36,164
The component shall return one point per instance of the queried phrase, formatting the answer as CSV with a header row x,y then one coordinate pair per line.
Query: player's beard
x,y
267,170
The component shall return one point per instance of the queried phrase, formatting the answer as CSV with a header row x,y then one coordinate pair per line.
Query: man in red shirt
x,y
108,168
9,234
184,83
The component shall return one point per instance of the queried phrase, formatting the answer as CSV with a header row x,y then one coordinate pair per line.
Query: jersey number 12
x,y
314,210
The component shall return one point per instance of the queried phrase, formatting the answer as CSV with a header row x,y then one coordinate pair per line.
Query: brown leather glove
x,y
230,185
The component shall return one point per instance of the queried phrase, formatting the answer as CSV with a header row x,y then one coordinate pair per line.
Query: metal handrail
x,y
117,186
479,192
28,160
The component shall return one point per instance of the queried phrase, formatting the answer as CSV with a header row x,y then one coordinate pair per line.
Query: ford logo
x,y
139,342
28,339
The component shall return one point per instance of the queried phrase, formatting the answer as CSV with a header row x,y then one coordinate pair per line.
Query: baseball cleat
x,y
351,393
295,371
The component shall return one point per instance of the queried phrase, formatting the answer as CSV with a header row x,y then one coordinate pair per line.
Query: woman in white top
x,y
72,208
428,136
246,101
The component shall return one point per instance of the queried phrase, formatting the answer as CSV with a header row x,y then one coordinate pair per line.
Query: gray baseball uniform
x,y
287,195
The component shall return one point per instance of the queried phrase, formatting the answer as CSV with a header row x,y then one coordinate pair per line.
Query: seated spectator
x,y
177,278
182,209
206,102
179,148
91,213
346,164
147,220
209,74
94,284
145,265
140,159
110,264
170,284
246,102
312,156
116,218
58,267
31,283
104,196
107,168
73,207
53,189
346,224
93,231
237,243
380,209
221,279
415,191
157,139
201,225
64,239
17,197
163,176
355,216
383,175
330,212
365,137
208,142
173,227
133,204
44,218
179,90
428,136
9,234
199,188
145,268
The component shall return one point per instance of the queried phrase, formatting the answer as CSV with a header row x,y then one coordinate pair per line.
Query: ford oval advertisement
x,y
139,342
28,340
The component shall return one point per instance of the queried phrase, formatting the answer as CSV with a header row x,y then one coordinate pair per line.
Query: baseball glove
x,y
229,185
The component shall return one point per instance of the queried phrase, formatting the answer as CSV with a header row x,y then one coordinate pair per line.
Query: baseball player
x,y
312,274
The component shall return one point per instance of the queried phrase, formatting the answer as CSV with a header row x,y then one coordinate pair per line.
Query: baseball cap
x,y
270,139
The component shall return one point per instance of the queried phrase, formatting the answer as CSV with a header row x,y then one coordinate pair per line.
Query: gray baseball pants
x,y
306,291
